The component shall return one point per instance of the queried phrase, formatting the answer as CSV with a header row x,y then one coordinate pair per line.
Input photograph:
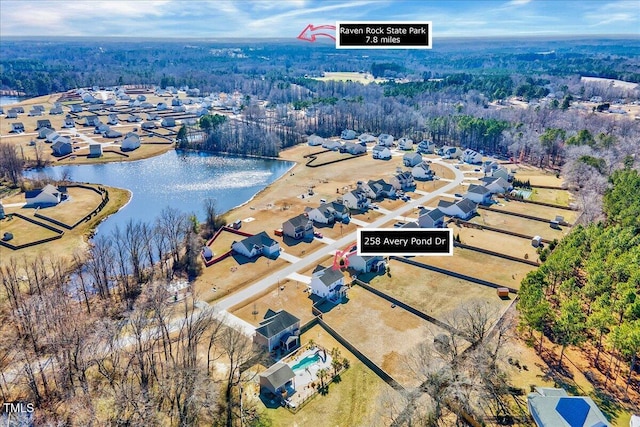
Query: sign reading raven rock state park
x,y
383,35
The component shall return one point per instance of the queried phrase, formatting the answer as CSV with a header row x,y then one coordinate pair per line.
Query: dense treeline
x,y
588,289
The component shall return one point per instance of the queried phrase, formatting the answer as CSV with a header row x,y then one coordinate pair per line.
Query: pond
x,y
181,179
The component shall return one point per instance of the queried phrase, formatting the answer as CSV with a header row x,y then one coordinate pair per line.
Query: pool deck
x,y
304,377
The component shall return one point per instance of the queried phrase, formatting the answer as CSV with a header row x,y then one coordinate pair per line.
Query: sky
x,y
287,18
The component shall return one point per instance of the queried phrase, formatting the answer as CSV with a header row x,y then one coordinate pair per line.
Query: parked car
x,y
318,234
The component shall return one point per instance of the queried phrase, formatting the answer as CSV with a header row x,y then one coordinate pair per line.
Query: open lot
x,y
535,175
387,340
289,295
517,225
435,294
536,210
442,171
558,197
482,266
343,76
348,402
24,231
79,204
496,242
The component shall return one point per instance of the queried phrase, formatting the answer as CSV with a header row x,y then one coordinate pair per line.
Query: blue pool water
x,y
306,362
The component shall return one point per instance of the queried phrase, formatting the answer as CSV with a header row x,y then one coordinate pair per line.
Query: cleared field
x,y
223,242
387,340
343,76
517,224
496,242
24,231
442,171
348,402
289,295
232,274
79,204
435,294
536,176
558,197
536,210
482,266
330,156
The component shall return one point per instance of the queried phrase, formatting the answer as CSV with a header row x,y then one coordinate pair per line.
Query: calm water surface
x,y
177,178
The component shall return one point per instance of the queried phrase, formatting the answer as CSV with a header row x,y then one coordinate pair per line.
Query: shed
x,y
95,149
554,224
277,378
207,253
7,236
503,292
535,242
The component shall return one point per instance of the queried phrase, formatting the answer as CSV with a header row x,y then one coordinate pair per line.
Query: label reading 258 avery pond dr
x,y
383,35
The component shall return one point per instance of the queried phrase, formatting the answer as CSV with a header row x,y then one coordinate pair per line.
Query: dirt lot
x,y
536,210
497,242
518,225
292,298
482,266
386,341
435,294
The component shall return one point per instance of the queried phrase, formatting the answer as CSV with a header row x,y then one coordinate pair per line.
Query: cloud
x,y
518,2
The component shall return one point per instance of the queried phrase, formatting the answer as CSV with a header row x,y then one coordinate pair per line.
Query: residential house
x,y
496,185
278,329
112,134
450,152
148,125
402,181
141,98
153,116
17,127
327,282
12,114
43,132
553,407
463,209
45,196
489,165
385,139
113,119
315,140
180,109
161,106
367,264
426,147
356,199
19,110
130,142
411,159
110,102
503,173
39,108
62,146
299,227
323,214
55,111
277,379
381,152
367,138
92,121
134,118
405,144
194,91
379,189
176,102
259,244
431,219
34,112
76,108
478,194
146,105
95,150
422,171
340,211
52,137
102,128
331,145
69,123
471,156
348,134
94,108
168,122
2,214
353,148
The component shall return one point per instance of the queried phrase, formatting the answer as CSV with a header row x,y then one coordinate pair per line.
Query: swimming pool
x,y
306,362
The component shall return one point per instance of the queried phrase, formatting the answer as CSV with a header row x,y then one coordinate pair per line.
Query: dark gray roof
x,y
46,123
298,221
319,267
338,207
330,276
277,323
488,179
478,189
260,239
278,375
466,205
379,148
445,204
435,214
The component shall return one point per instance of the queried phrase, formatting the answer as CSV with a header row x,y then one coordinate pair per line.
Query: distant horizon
x,y
287,18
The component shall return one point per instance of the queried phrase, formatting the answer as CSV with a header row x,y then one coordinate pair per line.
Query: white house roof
x,y
554,408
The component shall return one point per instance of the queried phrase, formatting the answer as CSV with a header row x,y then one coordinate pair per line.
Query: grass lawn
x,y
223,242
232,274
349,402
292,298
536,210
442,171
536,176
343,76
387,340
482,266
496,242
558,197
24,231
79,204
435,294
518,225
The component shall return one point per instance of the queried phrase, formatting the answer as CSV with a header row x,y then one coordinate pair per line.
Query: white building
x,y
328,283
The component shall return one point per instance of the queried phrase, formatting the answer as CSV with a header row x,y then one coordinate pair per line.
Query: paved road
x,y
313,258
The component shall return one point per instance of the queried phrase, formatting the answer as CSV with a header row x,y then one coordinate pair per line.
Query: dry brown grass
x,y
79,204
24,231
518,225
536,210
496,242
536,176
558,197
